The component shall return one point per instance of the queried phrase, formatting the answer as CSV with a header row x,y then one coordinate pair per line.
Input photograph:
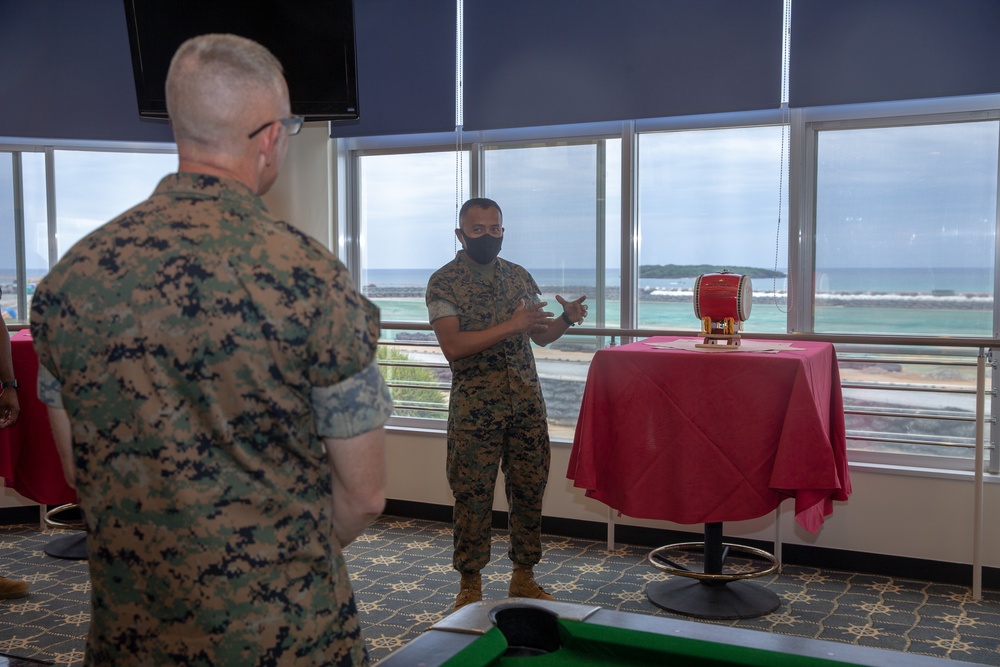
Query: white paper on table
x,y
744,346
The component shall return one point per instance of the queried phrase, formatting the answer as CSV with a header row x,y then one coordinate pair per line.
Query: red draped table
x,y
29,460
670,432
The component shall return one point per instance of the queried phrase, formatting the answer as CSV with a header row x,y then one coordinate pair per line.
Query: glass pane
x,y
8,260
562,219
561,206
408,212
709,200
36,234
94,187
408,207
905,229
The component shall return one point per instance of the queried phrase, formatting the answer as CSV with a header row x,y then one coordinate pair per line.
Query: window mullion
x,y
801,222
50,206
630,227
600,231
20,268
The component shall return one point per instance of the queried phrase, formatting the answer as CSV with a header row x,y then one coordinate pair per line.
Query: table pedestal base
x,y
729,601
712,592
72,547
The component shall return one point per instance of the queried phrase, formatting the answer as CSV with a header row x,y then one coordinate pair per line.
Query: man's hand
x,y
573,313
9,407
575,310
530,319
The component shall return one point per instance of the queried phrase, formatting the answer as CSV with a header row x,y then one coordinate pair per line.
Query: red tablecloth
x,y
29,461
694,436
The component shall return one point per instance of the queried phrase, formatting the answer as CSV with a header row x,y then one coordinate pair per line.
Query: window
x,y
561,209
905,231
562,219
407,215
710,200
93,187
23,230
561,206
90,188
894,235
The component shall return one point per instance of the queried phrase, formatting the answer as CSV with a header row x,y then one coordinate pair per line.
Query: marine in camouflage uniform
x,y
202,349
496,416
214,397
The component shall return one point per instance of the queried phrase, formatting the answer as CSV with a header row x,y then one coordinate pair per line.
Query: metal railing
x,y
853,350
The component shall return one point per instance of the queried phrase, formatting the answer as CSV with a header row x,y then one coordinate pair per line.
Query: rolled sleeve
x,y
49,388
358,404
440,308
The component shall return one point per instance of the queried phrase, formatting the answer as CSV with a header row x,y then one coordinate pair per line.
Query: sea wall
x,y
939,299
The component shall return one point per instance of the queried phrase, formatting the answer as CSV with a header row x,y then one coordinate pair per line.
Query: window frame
x,y
803,128
16,149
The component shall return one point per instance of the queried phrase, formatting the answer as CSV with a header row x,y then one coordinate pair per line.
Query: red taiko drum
x,y
722,295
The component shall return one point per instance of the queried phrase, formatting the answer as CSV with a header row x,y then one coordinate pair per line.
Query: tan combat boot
x,y
523,584
471,590
12,588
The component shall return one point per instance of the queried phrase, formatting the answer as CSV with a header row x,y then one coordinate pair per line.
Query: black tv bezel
x,y
153,104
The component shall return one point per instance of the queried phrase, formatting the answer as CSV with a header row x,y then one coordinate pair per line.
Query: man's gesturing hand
x,y
530,319
575,310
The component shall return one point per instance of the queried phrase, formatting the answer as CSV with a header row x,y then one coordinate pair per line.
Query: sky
x,y
899,197
905,196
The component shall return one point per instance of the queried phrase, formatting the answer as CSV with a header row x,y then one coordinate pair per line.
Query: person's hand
x,y
575,310
9,407
531,319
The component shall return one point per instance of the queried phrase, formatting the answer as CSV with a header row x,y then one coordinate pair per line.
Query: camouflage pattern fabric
x,y
496,415
188,340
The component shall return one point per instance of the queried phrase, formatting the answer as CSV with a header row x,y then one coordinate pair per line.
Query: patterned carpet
x,y
404,583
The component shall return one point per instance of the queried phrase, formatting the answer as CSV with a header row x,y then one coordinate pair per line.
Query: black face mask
x,y
482,249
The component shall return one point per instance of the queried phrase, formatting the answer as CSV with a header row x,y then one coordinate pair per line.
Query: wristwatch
x,y
9,383
565,318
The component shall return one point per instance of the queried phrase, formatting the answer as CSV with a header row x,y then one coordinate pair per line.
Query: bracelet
x,y
568,321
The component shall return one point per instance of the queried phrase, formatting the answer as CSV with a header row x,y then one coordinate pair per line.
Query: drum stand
x,y
721,341
729,339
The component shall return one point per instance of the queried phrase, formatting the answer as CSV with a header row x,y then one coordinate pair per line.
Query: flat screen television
x,y
313,39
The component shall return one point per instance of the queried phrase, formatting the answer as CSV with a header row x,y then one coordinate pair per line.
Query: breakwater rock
x,y
936,300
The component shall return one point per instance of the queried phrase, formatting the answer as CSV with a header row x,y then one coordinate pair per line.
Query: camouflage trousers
x,y
473,459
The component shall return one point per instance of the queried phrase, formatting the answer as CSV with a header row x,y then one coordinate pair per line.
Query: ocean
x,y
918,302
938,301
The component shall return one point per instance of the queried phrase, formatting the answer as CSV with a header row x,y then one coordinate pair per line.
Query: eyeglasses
x,y
293,124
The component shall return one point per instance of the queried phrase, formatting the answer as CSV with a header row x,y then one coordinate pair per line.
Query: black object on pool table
x,y
519,632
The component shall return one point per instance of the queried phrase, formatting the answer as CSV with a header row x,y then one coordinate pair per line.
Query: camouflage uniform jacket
x,y
201,348
498,386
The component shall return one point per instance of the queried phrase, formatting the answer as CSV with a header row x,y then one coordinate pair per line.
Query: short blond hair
x,y
216,84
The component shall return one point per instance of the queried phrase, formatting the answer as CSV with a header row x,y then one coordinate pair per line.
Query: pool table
x,y
536,633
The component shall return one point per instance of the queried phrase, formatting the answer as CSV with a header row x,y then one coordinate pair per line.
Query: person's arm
x,y
456,344
574,311
61,433
358,476
349,418
9,406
